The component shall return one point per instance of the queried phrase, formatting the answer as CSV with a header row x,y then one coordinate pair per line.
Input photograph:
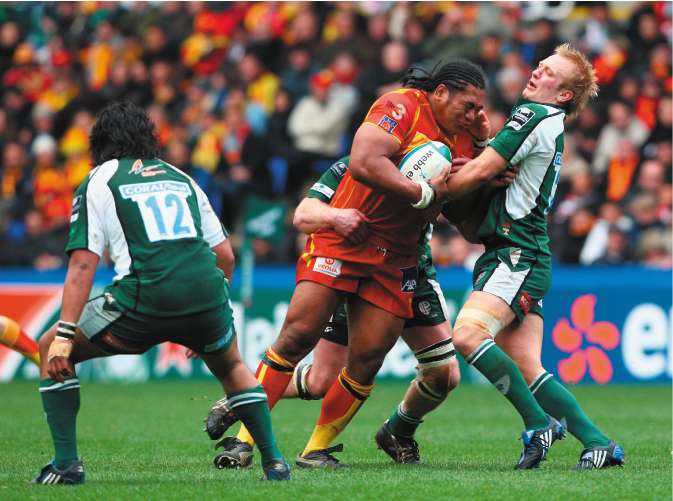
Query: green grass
x,y
145,442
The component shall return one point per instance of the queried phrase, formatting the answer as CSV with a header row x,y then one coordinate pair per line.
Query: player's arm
x,y
313,214
86,243
224,256
371,165
475,173
76,289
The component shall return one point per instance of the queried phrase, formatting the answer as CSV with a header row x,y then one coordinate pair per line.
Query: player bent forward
x,y
514,273
171,258
428,335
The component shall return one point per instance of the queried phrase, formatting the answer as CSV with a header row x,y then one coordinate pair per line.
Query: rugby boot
x,y
403,450
321,458
595,458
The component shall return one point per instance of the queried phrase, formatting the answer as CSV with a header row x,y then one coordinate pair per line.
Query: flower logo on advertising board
x,y
597,338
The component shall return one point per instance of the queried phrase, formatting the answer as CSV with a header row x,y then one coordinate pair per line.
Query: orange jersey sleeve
x,y
395,112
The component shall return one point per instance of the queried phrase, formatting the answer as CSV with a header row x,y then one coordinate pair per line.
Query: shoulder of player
x,y
528,116
100,175
410,99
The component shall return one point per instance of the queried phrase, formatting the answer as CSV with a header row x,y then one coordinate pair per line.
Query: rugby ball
x,y
425,161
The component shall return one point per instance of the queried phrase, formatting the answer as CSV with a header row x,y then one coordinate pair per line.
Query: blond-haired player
x,y
499,329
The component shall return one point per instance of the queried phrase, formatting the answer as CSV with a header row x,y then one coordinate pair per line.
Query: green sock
x,y
402,424
500,370
560,403
252,408
61,404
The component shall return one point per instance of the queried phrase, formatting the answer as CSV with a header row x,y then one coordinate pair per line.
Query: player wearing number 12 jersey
x,y
172,259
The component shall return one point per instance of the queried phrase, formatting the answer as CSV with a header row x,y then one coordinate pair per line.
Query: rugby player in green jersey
x,y
499,329
428,335
172,261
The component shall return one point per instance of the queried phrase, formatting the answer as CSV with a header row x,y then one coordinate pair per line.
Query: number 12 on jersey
x,y
163,208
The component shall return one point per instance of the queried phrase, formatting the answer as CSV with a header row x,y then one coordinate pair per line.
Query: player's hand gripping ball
x,y
426,161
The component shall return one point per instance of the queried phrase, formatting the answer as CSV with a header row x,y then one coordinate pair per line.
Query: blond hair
x,y
583,83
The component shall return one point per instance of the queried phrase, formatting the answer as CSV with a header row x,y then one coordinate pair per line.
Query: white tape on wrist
x,y
427,196
480,144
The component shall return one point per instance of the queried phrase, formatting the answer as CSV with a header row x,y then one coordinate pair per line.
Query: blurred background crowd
x,y
256,99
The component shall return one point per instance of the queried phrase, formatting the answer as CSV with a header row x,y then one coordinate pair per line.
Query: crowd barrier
x,y
602,325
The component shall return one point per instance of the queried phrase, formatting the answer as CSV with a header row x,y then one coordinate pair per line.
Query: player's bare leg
x,y
482,317
310,308
523,343
438,375
372,333
247,400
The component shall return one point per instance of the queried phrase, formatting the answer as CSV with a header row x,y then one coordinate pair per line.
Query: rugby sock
x,y
556,400
402,424
274,374
500,370
252,409
340,404
61,404
16,339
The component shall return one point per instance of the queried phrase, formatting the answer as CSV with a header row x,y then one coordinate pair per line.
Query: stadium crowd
x,y
259,98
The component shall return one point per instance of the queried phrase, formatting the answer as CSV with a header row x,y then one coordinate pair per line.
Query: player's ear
x,y
565,96
441,92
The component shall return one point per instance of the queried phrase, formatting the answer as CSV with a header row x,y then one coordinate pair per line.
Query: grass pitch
x,y
145,442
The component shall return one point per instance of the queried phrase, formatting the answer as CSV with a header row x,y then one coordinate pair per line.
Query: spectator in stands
x,y
210,76
318,122
52,193
622,124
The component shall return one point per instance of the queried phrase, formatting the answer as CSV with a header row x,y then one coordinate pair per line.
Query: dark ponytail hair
x,y
456,75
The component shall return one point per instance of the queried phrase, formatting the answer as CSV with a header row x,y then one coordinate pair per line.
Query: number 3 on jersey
x,y
164,209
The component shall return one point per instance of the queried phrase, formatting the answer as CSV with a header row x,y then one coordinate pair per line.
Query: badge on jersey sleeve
x,y
387,124
520,118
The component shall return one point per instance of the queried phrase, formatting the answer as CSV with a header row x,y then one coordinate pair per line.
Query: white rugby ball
x,y
425,161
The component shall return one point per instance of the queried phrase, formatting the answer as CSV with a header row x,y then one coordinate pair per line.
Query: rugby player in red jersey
x,y
378,275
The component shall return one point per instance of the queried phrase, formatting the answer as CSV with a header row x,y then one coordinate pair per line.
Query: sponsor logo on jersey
x,y
131,190
424,307
520,118
525,302
338,169
327,266
387,124
409,279
399,111
76,204
505,228
557,159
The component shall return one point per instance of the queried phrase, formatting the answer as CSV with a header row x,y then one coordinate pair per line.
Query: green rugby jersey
x,y
324,189
532,138
159,228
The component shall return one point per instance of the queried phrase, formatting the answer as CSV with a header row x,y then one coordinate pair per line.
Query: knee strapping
x,y
433,383
476,316
300,381
435,355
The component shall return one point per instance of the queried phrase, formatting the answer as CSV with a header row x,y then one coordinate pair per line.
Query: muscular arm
x,y
476,173
224,255
370,163
78,281
312,214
